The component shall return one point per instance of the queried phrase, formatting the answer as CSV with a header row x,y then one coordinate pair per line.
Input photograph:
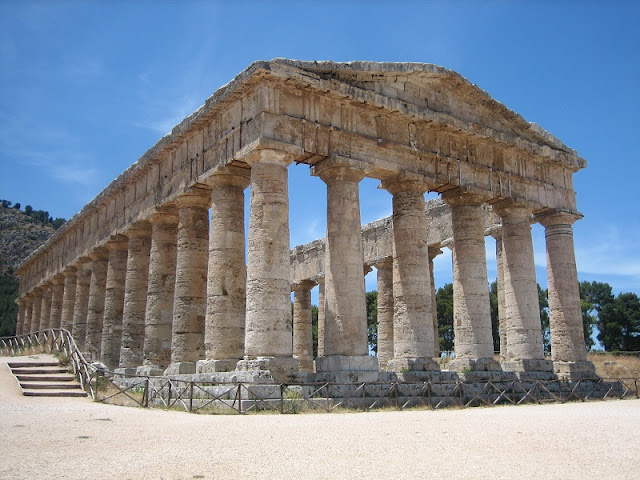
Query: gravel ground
x,y
79,439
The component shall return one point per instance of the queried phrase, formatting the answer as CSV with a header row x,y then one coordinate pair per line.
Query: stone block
x,y
420,364
575,371
180,368
126,372
528,365
281,368
474,365
149,371
347,363
213,366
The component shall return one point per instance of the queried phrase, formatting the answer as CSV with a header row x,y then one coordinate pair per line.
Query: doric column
x,y
320,282
28,307
302,331
68,297
227,275
345,335
161,287
114,301
36,299
471,305
45,308
21,312
385,311
95,310
268,334
524,336
135,294
568,350
433,253
189,301
57,292
81,305
412,316
502,317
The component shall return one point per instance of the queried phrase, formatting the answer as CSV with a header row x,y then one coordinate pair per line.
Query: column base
x,y
530,369
306,363
574,371
180,368
215,366
347,363
465,365
281,368
150,371
417,364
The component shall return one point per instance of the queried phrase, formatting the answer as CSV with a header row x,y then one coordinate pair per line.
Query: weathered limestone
x,y
320,282
37,307
114,302
524,337
57,292
189,304
227,276
95,310
502,317
45,309
433,253
69,297
21,313
81,306
412,314
568,350
385,311
135,295
268,335
345,334
161,288
471,309
302,331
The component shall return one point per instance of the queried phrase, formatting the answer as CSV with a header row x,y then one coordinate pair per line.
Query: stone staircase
x,y
45,378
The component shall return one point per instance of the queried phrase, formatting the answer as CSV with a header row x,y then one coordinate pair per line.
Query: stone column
x,y
524,335
502,318
114,301
412,315
161,287
57,292
36,300
135,295
45,308
268,335
471,305
320,282
433,253
21,312
568,350
68,297
81,305
28,306
345,346
302,331
95,310
385,311
227,275
189,301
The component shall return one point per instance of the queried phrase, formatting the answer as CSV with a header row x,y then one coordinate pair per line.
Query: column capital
x,y
406,182
386,262
70,271
199,196
57,279
339,168
459,197
117,242
21,300
230,176
303,285
512,211
433,252
100,253
140,229
164,214
268,155
557,217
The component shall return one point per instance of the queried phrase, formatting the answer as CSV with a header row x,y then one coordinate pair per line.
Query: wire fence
x,y
239,398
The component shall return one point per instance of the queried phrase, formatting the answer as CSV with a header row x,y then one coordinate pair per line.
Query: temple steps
x,y
45,379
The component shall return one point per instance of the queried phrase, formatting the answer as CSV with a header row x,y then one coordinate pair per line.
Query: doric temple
x,y
151,277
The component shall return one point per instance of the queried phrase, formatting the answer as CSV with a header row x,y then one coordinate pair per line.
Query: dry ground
x,y
612,365
79,439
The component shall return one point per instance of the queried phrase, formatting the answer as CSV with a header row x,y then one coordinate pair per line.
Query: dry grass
x,y
612,365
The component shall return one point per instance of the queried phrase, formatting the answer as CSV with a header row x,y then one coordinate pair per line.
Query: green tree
x,y
8,307
588,318
543,302
28,210
495,321
314,329
444,306
372,320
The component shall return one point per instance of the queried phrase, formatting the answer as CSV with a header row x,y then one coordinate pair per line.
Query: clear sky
x,y
87,87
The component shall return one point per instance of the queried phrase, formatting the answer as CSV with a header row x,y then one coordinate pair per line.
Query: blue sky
x,y
87,87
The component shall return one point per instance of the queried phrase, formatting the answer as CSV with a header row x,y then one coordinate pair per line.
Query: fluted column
x,y
81,305
524,336
57,292
45,308
28,307
189,304
161,287
433,253
471,305
320,282
35,310
268,334
568,350
345,336
227,274
302,331
385,311
114,301
95,310
68,297
21,315
502,318
412,316
135,295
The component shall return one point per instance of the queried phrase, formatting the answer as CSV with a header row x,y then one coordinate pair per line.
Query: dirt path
x,y
79,439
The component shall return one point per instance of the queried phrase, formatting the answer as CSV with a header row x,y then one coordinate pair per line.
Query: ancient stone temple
x,y
151,276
